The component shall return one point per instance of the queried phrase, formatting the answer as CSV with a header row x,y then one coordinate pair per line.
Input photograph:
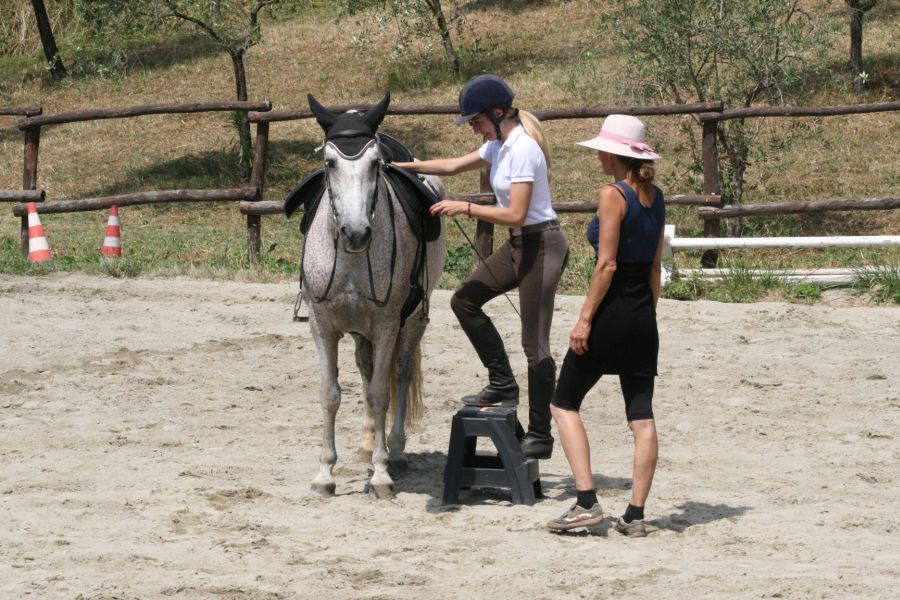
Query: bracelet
x,y
469,210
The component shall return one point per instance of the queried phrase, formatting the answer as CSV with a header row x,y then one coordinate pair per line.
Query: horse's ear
x,y
322,114
375,115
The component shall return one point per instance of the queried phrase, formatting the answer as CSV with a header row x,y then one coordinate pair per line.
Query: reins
x,y
387,296
486,266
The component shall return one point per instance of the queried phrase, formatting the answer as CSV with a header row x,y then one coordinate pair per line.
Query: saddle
x,y
412,193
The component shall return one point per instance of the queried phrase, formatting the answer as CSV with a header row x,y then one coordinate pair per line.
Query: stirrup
x,y
297,317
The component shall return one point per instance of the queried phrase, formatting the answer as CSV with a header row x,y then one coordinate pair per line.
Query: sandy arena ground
x,y
158,439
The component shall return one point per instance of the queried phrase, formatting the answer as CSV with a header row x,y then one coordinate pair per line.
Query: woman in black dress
x,y
616,330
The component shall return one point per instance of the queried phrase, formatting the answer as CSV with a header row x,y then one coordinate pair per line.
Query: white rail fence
x,y
823,276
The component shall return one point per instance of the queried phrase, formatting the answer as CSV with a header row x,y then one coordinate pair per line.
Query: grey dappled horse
x,y
361,265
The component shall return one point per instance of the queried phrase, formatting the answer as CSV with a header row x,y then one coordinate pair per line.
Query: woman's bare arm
x,y
446,166
656,269
611,213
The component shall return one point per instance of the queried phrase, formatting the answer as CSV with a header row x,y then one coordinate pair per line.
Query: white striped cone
x,y
38,247
111,243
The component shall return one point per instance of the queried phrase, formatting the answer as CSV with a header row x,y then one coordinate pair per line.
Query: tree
x,y
858,10
416,18
234,26
438,12
51,52
742,52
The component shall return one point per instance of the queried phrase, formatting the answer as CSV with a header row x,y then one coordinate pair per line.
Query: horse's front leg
x,y
364,364
381,485
330,400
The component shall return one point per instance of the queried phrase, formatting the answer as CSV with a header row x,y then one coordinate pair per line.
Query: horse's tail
x,y
415,405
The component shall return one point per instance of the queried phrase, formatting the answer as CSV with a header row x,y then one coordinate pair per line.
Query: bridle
x,y
379,187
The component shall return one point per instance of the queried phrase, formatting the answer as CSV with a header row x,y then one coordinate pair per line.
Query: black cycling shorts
x,y
573,385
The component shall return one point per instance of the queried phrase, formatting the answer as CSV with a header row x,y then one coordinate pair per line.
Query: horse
x,y
368,272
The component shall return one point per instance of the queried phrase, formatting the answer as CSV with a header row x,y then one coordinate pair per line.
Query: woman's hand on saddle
x,y
578,338
450,208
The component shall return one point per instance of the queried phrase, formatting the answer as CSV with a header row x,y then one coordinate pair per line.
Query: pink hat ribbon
x,y
621,139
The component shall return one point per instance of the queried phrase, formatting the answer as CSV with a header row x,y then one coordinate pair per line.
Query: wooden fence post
x,y
710,185
29,175
484,231
257,179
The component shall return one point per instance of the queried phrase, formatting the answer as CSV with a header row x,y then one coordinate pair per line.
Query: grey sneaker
x,y
577,517
633,529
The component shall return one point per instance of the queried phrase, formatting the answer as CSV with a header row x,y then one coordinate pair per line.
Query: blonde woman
x,y
533,259
616,330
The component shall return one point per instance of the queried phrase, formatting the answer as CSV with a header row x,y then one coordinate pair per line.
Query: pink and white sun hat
x,y
622,135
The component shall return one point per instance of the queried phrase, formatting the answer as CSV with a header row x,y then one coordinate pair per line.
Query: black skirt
x,y
624,339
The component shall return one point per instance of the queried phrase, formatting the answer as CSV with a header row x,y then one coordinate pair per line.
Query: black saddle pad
x,y
396,150
308,193
416,199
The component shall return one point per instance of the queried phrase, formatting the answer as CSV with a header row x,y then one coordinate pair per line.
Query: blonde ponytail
x,y
533,128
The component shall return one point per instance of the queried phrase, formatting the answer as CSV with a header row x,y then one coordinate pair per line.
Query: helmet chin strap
x,y
496,121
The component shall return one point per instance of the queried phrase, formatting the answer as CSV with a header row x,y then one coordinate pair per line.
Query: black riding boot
x,y
538,443
502,388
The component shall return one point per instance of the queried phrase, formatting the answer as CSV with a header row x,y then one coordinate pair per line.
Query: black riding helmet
x,y
482,93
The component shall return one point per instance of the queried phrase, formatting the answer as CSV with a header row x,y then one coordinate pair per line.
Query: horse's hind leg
x,y
330,400
406,366
364,364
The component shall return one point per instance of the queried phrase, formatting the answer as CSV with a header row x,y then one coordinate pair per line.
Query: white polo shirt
x,y
520,159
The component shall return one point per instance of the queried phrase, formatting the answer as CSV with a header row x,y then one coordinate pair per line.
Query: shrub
x,y
882,282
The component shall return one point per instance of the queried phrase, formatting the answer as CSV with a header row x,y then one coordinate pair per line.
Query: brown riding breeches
x,y
533,259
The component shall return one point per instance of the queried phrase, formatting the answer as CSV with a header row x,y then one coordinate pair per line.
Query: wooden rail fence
x,y
249,198
799,207
19,111
34,121
21,195
163,197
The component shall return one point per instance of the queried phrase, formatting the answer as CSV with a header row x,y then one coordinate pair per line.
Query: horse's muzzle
x,y
356,241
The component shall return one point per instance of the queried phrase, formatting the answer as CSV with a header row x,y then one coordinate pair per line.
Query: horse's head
x,y
352,160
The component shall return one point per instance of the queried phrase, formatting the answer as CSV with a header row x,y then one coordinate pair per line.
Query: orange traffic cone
x,y
111,246
38,248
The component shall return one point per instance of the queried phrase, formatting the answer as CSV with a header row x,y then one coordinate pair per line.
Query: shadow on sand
x,y
692,513
697,513
425,475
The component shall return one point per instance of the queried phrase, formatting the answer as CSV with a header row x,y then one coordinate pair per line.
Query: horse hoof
x,y
324,489
380,492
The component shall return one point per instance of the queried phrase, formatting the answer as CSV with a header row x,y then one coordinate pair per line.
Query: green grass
x,y
806,292
879,283
882,282
209,244
458,263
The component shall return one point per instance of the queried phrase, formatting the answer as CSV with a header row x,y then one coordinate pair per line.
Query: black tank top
x,y
641,227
